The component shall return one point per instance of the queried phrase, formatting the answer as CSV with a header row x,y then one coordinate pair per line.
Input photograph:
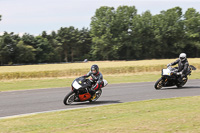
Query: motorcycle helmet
x,y
182,56
94,69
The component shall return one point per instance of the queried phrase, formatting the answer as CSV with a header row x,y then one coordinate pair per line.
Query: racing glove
x,y
169,64
179,73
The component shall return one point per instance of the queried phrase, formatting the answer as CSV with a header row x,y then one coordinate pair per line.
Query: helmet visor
x,y
93,70
182,58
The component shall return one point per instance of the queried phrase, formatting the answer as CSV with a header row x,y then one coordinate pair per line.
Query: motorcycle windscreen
x,y
166,72
76,85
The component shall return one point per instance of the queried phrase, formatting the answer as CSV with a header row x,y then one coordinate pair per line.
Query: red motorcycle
x,y
80,91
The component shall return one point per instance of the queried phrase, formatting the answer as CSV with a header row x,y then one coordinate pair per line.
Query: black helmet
x,y
94,68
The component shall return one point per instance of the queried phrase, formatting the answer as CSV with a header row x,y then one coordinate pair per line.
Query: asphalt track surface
x,y
43,100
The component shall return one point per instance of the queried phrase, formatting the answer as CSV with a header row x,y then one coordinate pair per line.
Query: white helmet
x,y
182,56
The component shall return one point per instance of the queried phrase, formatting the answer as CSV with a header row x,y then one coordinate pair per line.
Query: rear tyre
x,y
69,98
158,85
183,83
96,95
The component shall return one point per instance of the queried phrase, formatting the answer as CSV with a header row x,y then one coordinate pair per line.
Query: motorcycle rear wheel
x,y
158,85
69,98
182,84
98,94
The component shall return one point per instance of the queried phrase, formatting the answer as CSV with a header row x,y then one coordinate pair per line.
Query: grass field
x,y
61,75
180,115
101,64
176,115
70,66
77,69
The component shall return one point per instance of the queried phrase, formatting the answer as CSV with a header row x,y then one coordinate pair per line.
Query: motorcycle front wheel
x,y
69,98
159,84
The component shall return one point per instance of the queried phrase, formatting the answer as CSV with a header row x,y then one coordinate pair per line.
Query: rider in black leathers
x,y
183,66
97,78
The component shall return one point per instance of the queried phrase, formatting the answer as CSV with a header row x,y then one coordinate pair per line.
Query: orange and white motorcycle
x,y
80,91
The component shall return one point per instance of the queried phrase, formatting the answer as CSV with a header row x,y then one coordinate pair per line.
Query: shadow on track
x,y
185,87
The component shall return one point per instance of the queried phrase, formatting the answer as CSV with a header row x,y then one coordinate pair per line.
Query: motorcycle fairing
x,y
168,82
105,82
76,85
84,97
166,72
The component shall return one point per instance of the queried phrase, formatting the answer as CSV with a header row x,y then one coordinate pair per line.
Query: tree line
x,y
114,34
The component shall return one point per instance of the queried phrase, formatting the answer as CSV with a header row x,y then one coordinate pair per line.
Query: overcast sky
x,y
35,16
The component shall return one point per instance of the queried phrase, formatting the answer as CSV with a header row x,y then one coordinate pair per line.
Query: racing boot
x,y
93,93
184,78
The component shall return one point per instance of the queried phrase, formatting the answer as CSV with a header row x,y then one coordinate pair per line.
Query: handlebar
x,y
173,70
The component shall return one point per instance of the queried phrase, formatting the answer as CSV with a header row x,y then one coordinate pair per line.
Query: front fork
x,y
164,81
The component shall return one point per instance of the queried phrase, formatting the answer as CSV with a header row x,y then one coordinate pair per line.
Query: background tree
x,y
114,34
82,50
103,47
29,40
192,31
25,53
8,44
142,36
69,38
169,33
44,51
57,47
123,32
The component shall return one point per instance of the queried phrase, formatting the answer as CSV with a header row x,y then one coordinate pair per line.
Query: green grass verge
x,y
66,82
9,85
153,116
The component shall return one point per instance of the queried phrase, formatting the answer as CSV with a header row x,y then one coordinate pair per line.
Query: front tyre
x,y
96,95
159,84
69,98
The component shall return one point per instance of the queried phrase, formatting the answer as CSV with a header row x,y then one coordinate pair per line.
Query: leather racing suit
x,y
97,80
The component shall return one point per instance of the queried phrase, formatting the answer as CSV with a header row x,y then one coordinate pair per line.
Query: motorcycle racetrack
x,y
14,103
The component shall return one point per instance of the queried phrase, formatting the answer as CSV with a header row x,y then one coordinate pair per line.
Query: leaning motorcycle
x,y
80,91
170,78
